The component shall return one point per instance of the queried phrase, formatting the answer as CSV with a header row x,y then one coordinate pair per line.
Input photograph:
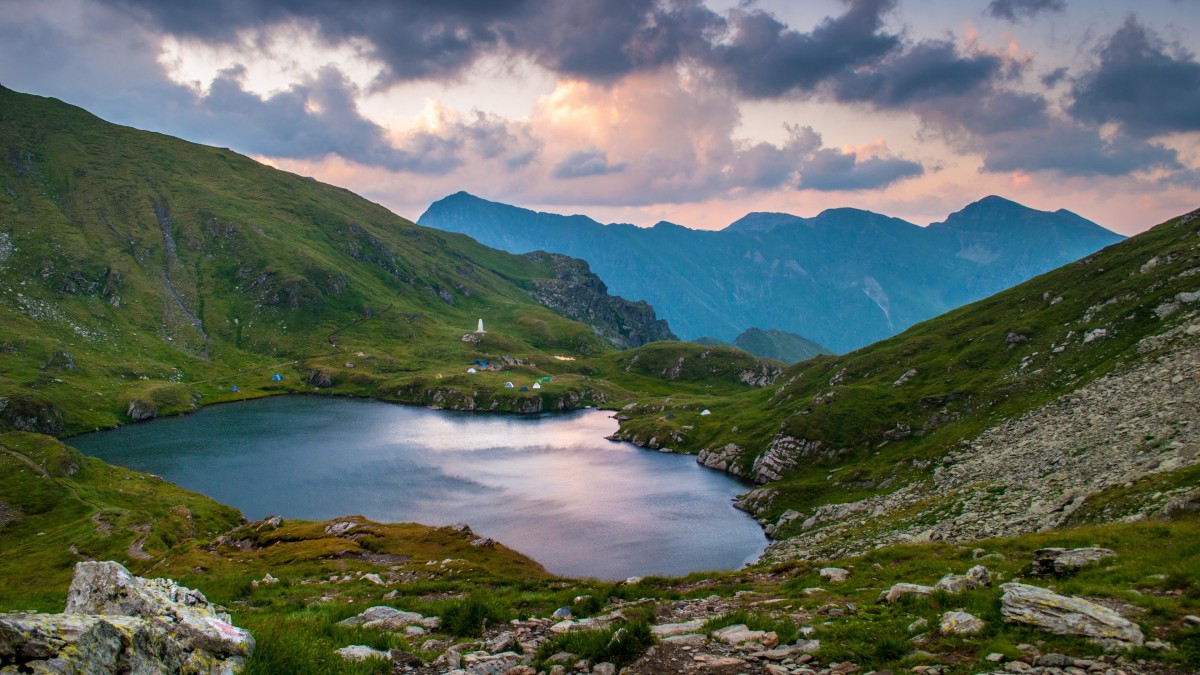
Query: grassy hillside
x,y
881,415
140,269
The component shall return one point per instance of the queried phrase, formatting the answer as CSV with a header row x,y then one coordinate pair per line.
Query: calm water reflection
x,y
551,487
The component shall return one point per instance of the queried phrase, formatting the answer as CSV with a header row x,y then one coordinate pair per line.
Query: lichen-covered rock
x,y
960,623
107,588
383,618
1068,615
117,622
976,577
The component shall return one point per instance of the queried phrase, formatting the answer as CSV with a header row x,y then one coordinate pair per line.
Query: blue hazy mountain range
x,y
844,278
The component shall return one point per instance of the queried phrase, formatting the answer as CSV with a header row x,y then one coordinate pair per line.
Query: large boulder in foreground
x,y
1068,615
118,622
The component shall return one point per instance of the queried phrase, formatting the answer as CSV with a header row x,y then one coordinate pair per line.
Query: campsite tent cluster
x,y
274,378
537,384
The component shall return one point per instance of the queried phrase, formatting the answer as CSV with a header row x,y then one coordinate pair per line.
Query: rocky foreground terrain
x,y
115,622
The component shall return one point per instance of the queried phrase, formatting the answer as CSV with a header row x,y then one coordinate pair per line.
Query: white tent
x,y
706,411
471,370
508,385
537,385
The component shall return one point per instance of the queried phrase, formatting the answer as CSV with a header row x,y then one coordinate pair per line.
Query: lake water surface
x,y
549,486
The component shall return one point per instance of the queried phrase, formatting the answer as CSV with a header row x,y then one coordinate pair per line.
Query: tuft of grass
x,y
620,645
472,616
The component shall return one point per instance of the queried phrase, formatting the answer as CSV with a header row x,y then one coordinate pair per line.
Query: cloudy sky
x,y
636,111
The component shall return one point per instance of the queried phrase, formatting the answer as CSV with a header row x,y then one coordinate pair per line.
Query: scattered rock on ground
x,y
1066,560
1068,615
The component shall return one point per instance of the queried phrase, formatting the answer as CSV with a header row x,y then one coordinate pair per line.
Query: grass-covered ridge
x,y
137,268
877,418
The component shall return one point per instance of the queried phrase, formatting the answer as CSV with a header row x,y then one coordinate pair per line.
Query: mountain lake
x,y
551,485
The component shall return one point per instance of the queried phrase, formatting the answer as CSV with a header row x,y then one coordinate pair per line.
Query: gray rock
x,y
562,613
383,618
139,411
960,623
1066,560
976,577
688,639
900,590
604,669
1067,615
121,623
361,653
737,634
835,574
670,629
107,588
908,375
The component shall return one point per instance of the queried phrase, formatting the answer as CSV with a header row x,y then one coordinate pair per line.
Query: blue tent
x,y
233,389
277,378
524,388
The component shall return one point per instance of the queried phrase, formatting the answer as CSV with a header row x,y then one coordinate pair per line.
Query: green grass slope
x,y
880,415
135,267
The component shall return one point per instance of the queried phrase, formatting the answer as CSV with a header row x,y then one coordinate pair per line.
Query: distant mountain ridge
x,y
843,278
771,344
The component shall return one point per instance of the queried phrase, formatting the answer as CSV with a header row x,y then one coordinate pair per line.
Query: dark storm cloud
x,y
419,39
1140,85
1075,151
1052,78
832,169
930,69
320,118
1015,10
763,58
589,162
414,38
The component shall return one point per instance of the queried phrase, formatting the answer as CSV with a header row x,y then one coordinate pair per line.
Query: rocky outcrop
x,y
784,455
1068,615
578,294
722,459
34,415
1060,561
139,410
117,622
976,577
390,619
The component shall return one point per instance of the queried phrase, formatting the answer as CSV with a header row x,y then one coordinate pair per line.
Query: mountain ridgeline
x,y
844,278
771,344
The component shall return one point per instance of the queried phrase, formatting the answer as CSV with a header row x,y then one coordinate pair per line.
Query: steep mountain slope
x,y
1071,396
844,278
142,272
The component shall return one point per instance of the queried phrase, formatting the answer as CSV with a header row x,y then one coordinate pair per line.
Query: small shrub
x,y
470,617
621,645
